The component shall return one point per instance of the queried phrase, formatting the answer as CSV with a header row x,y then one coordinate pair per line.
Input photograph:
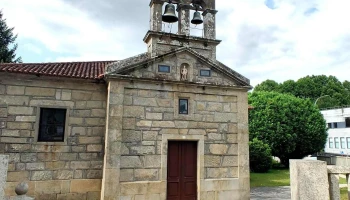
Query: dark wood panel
x,y
182,171
189,173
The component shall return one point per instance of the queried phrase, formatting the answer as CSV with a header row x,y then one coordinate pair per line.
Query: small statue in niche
x,y
184,73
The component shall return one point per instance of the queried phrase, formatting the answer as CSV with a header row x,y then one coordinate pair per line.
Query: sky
x,y
261,39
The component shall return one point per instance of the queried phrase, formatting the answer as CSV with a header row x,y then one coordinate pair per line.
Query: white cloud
x,y
284,43
259,42
63,29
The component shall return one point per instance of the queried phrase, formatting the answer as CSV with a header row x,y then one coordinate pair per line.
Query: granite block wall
x,y
54,170
149,114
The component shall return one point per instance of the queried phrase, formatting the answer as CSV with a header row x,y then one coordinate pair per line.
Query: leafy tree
x,y
288,87
260,158
8,46
268,86
291,126
333,92
314,87
346,85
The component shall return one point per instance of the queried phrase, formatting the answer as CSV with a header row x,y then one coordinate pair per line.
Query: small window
x,y
52,125
347,122
348,142
342,143
164,68
329,125
183,106
331,143
205,72
335,125
336,143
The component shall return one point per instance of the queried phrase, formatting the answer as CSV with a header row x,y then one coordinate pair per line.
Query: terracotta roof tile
x,y
85,70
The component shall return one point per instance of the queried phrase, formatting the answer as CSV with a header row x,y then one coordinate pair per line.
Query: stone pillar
x,y
209,24
184,19
309,180
111,168
3,174
243,141
156,15
334,189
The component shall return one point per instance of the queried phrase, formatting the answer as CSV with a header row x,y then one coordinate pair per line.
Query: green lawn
x,y
343,193
275,177
280,177
342,180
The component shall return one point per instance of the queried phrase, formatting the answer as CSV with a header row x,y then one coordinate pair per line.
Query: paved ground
x,y
271,193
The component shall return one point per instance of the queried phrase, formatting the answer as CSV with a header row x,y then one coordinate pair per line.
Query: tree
x,y
291,126
288,87
268,86
313,87
8,46
346,84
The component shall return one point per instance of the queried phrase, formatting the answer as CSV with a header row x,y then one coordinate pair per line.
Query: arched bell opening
x,y
169,27
171,15
196,29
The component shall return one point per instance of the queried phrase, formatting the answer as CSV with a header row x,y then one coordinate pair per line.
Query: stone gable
x,y
145,67
176,64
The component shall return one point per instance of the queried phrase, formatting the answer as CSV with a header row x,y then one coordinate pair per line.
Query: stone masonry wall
x,y
143,116
65,170
148,114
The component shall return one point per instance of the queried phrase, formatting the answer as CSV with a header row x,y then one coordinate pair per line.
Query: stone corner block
x,y
309,180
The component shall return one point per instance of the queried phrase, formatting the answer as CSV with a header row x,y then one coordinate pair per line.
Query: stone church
x,y
171,123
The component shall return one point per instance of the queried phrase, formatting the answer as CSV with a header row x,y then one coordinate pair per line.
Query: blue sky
x,y
261,39
270,4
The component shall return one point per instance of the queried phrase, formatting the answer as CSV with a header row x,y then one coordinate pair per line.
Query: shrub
x,y
260,156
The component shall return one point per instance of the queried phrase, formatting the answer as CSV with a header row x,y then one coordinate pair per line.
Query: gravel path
x,y
271,193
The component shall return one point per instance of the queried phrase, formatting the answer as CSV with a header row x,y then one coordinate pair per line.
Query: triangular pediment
x,y
183,64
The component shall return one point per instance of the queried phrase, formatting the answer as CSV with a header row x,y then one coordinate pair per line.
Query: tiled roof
x,y
85,70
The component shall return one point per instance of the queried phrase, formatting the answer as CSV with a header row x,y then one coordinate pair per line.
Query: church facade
x,y
171,123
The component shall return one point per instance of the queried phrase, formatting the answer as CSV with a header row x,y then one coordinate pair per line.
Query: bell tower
x,y
178,11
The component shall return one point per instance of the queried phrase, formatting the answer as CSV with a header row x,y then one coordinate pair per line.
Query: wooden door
x,y
182,171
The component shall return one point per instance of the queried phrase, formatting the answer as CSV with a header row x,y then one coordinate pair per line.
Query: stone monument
x,y
308,180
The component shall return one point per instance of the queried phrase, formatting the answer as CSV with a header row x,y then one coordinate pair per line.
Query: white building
x,y
338,122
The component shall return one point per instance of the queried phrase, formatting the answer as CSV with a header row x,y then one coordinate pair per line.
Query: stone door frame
x,y
200,156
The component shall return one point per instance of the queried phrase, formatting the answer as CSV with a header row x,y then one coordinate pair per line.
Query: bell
x,y
197,19
169,14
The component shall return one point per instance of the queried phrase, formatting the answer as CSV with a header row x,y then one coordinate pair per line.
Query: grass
x,y
275,177
280,177
343,193
342,180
